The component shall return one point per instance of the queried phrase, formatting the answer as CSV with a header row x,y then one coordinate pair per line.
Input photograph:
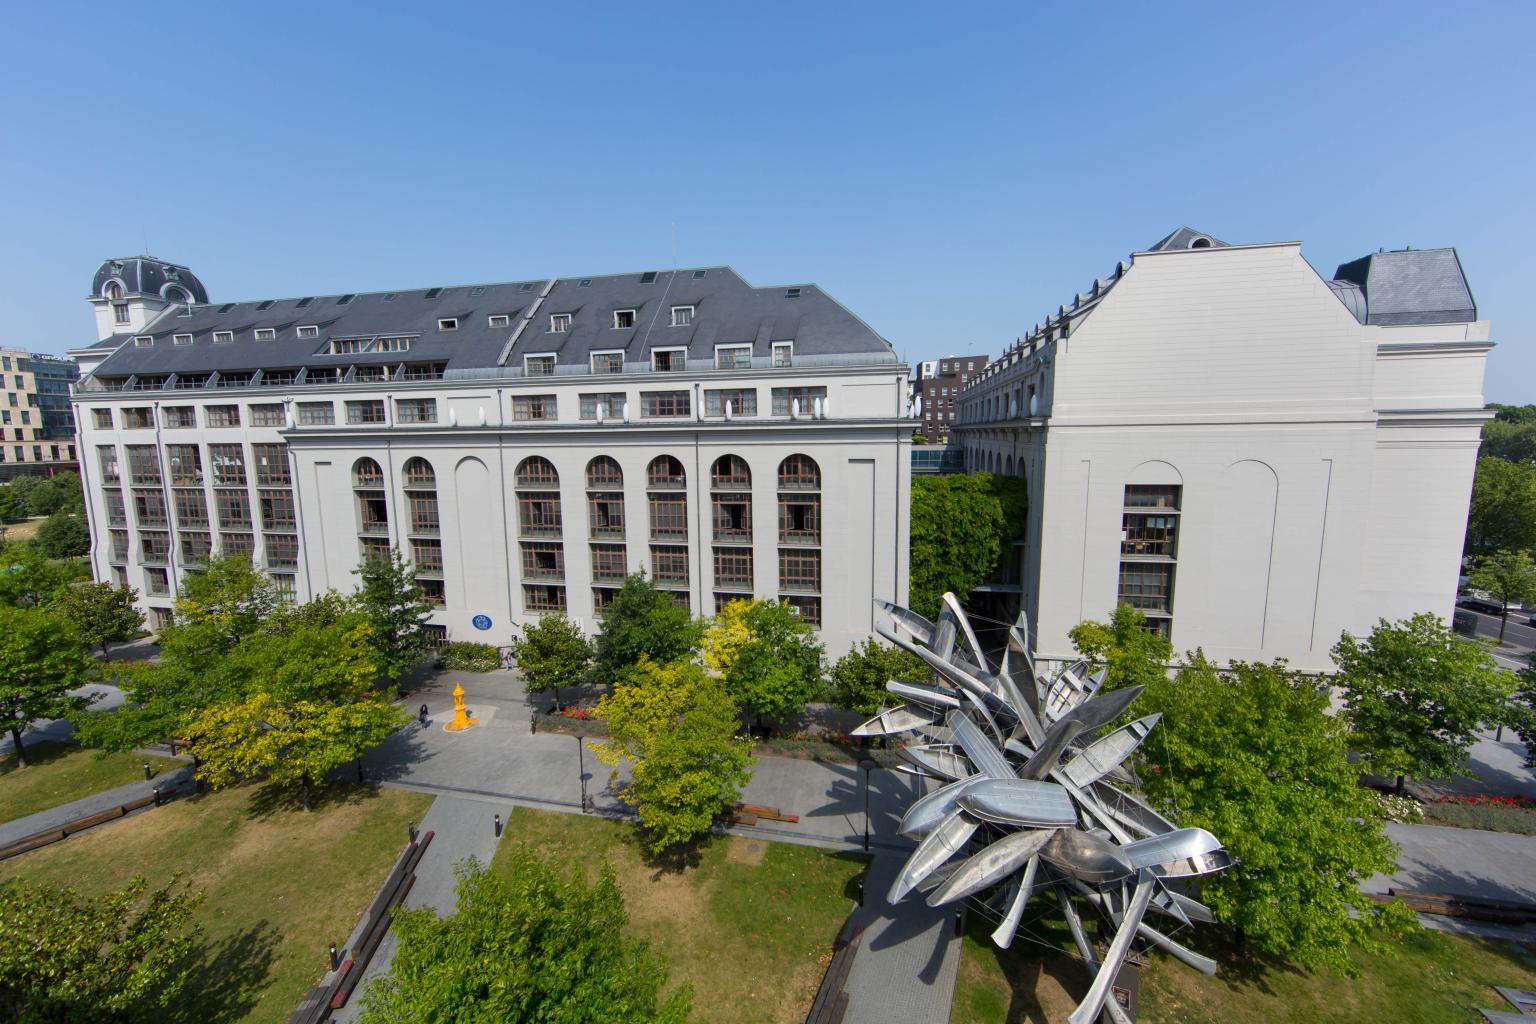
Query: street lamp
x,y
581,767
868,765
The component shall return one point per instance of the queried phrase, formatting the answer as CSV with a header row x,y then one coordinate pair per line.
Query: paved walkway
x,y
95,803
905,967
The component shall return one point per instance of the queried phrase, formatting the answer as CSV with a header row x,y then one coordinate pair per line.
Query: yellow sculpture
x,y
461,717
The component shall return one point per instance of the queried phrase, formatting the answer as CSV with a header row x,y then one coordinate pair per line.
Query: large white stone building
x,y
525,444
1254,455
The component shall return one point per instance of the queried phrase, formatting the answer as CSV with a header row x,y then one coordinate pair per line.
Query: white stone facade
x,y
1312,469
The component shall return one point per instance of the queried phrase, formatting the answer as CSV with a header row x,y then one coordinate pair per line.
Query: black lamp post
x,y
868,765
581,767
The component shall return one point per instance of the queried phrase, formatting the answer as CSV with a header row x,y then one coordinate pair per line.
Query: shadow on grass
x,y
274,799
226,977
39,753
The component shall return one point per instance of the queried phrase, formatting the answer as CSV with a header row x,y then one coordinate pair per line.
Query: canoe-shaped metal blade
x,y
1100,711
964,622
1194,910
990,866
1203,964
1020,802
984,754
1106,753
1062,732
1002,937
1182,853
948,670
1132,812
940,760
928,696
1088,1010
937,847
897,720
912,769
1085,856
1017,749
1065,691
941,874
902,618
927,811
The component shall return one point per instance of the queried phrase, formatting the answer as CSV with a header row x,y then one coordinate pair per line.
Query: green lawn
x,y
281,885
58,773
1436,978
750,925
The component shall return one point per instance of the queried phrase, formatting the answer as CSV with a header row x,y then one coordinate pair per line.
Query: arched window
x,y
605,526
730,480
113,291
536,471
426,546
800,537
540,526
668,504
176,294
372,508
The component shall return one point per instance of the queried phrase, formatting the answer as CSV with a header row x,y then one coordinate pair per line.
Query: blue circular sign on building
x,y
481,622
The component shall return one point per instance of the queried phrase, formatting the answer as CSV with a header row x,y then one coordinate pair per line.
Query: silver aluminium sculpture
x,y
1029,802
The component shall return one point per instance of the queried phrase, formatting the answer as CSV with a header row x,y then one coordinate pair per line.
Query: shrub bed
x,y
1492,813
462,656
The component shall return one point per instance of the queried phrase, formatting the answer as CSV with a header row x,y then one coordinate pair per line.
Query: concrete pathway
x,y
93,804
905,967
1494,865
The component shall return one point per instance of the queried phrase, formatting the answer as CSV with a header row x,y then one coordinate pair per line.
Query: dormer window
x,y
733,357
186,310
539,366
396,344
266,333
219,338
347,346
669,360
559,323
792,293
143,341
309,331
448,323
499,320
783,354
682,316
623,319
114,290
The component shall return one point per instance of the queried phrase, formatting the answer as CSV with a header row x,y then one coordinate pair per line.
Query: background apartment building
x,y
37,433
938,384
1255,456
525,444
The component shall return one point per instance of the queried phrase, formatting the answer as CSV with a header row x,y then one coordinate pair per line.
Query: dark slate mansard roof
x,y
146,275
726,310
1406,286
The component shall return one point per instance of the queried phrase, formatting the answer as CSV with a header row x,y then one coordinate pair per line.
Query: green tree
x,y
41,660
23,488
525,944
552,653
28,579
859,677
13,508
305,657
1253,756
963,526
72,959
61,493
1416,694
677,724
391,598
292,743
219,605
778,670
642,620
1520,714
1502,516
1134,655
64,535
100,612
1509,576
1511,434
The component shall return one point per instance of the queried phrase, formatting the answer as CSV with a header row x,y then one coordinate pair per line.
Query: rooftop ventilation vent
x,y
304,302
226,307
698,275
586,282
390,296
792,293
346,298
527,287
477,292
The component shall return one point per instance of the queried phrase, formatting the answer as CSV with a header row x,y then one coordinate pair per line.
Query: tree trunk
x,y
556,710
1503,622
104,648
1400,780
21,753
305,782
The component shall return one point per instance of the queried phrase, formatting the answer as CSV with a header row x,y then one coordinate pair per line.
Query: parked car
x,y
1480,602
1464,622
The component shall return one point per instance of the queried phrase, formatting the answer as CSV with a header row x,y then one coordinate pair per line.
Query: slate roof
x,y
726,310
1410,286
147,275
1184,238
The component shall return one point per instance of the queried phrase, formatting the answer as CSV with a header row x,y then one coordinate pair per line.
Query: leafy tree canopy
x,y
777,670
41,660
525,945
1253,756
1503,512
391,598
29,579
859,677
963,526
220,604
1521,712
552,653
1509,576
727,635
100,612
1511,434
678,724
64,535
1134,655
71,959
1416,695
642,620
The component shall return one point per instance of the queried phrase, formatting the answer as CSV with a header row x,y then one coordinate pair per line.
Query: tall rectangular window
x,y
785,399
533,407
611,403
665,403
267,415
370,410
608,362
179,416
416,410
222,415
1149,551
743,402
608,562
228,465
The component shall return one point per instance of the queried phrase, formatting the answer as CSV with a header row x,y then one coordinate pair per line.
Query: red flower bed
x,y
580,714
1489,800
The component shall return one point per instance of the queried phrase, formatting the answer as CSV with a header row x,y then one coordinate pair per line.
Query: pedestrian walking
x,y
422,715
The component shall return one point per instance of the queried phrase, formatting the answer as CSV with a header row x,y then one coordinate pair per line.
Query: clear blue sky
x,y
950,172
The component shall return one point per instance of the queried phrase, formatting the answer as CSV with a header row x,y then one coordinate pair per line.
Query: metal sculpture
x,y
1028,802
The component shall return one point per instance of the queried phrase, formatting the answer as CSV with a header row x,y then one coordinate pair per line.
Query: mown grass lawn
x,y
281,884
749,924
60,773
1436,978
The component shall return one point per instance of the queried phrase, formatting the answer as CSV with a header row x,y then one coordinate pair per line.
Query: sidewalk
x,y
905,967
95,803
